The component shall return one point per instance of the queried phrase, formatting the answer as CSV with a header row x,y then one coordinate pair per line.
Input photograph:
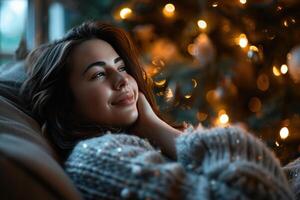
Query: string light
x,y
253,48
194,83
192,49
243,1
276,72
160,83
215,4
284,133
284,69
279,8
242,40
188,96
169,10
169,94
223,118
254,104
125,12
202,24
201,116
263,82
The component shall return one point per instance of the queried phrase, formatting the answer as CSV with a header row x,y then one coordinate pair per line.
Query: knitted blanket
x,y
218,163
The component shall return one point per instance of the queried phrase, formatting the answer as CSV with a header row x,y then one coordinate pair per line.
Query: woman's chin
x,y
128,119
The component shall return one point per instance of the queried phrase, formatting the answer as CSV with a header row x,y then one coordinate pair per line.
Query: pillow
x,y
14,118
15,122
14,72
12,75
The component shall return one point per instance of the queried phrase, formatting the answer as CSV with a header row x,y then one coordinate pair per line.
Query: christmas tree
x,y
218,63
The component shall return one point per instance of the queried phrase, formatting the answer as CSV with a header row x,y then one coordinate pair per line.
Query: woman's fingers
x,y
143,104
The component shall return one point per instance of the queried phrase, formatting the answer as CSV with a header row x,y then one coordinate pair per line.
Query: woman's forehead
x,y
91,51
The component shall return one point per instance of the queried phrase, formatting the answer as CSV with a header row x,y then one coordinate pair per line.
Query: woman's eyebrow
x,y
99,63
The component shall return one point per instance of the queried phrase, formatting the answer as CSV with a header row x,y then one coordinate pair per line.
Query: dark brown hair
x,y
47,91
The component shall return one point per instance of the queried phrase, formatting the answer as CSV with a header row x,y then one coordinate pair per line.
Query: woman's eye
x,y
98,75
122,69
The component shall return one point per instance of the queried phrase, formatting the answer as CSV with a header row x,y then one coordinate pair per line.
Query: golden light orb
x,y
263,82
192,49
276,72
125,12
243,1
255,104
169,94
202,24
224,119
160,83
201,116
169,10
284,133
284,69
187,96
215,4
243,41
253,48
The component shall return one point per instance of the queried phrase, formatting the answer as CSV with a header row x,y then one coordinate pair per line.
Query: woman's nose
x,y
120,81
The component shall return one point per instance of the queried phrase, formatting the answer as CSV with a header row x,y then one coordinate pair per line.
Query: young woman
x,y
91,95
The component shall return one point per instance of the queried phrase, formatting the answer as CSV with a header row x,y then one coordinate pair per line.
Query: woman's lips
x,y
124,100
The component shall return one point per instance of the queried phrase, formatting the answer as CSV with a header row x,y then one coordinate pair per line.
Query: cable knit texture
x,y
292,171
219,163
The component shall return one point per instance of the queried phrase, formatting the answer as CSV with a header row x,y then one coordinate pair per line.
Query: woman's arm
x,y
236,159
158,132
119,166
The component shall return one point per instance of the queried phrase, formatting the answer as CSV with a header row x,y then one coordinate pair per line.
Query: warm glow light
x,y
224,119
284,132
194,83
125,13
263,82
255,104
160,83
276,72
201,116
243,41
192,49
243,1
169,10
284,69
215,4
187,96
253,48
202,24
277,144
169,94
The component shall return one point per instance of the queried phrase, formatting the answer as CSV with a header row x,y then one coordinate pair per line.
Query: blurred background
x,y
213,62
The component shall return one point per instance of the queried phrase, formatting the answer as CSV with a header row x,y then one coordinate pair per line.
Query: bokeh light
x,y
125,13
169,10
202,24
242,40
284,69
284,133
276,71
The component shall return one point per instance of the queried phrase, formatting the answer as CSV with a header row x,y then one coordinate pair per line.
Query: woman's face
x,y
104,92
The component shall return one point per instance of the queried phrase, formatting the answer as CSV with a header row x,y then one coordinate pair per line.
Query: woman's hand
x,y
146,117
150,126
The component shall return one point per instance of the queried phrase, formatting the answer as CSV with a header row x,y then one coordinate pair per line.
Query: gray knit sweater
x,y
219,163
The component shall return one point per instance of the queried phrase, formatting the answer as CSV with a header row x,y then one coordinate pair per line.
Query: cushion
x,y
30,173
28,168
13,71
16,122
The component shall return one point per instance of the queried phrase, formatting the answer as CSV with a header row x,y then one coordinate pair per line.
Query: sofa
x,y
29,168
